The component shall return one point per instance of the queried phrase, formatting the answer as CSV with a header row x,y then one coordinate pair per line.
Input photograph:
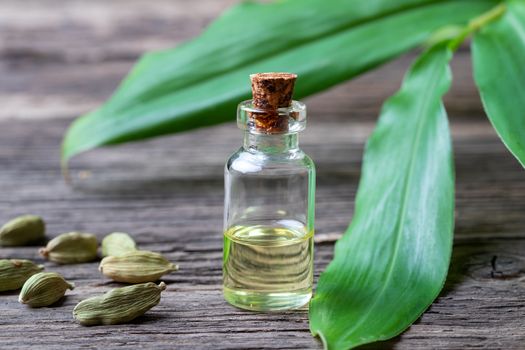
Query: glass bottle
x,y
269,207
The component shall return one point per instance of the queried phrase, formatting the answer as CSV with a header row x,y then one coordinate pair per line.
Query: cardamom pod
x,y
22,230
119,305
136,267
14,272
71,248
117,243
44,289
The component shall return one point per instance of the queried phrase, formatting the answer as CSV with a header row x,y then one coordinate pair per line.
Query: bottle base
x,y
261,301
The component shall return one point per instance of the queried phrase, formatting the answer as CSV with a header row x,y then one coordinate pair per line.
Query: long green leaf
x,y
200,82
498,51
392,262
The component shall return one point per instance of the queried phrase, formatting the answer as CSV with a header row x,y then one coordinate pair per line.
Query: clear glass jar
x,y
269,215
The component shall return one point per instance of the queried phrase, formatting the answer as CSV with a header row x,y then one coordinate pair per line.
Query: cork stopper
x,y
271,91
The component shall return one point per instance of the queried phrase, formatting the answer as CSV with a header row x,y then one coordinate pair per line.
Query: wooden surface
x,y
60,58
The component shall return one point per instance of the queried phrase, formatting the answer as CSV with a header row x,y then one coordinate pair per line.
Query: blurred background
x,y
60,59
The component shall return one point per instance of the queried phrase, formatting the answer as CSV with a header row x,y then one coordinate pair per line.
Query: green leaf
x,y
392,261
498,51
200,82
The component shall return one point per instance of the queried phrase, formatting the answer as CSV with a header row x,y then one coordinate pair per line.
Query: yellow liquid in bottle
x,y
267,268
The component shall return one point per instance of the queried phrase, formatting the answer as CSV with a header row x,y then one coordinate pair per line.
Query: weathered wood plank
x,y
478,309
169,197
32,90
57,31
161,176
61,58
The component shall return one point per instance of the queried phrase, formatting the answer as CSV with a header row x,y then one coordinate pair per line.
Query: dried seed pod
x,y
71,248
117,243
23,230
119,305
14,272
44,289
136,267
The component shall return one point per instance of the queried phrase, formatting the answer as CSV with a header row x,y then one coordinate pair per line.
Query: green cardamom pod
x,y
44,289
119,305
71,248
14,272
136,267
117,243
22,230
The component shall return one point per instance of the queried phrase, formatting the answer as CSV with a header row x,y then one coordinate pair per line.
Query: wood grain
x,y
60,58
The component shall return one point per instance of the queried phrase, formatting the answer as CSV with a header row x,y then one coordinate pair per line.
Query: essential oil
x,y
269,203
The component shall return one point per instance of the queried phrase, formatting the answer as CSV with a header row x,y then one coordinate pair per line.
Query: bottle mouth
x,y
285,120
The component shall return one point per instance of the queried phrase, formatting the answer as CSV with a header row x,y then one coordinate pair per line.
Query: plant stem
x,y
477,23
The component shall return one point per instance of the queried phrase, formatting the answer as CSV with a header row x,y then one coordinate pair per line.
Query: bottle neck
x,y
270,143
